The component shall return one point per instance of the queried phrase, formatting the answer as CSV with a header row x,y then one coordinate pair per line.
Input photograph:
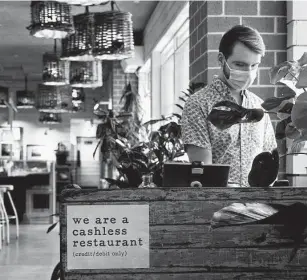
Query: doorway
x,y
88,168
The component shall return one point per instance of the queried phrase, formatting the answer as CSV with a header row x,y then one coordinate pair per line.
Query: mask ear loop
x,y
224,63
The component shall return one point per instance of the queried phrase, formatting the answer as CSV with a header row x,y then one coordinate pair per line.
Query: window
x,y
174,70
145,91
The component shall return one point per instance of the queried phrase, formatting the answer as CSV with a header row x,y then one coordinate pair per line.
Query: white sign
x,y
107,236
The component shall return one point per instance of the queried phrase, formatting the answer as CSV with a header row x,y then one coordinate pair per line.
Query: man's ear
x,y
220,59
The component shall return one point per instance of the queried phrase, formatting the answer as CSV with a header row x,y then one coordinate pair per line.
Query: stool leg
x,y
3,224
15,213
1,238
6,221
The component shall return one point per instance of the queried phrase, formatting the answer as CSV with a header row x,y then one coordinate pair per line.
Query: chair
x,y
5,218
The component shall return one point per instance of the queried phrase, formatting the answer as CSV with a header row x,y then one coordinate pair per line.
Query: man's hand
x,y
199,154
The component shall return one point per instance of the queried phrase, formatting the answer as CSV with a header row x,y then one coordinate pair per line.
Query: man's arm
x,y
199,154
195,132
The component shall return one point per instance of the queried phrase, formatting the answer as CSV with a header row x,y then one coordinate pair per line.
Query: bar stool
x,y
1,237
5,218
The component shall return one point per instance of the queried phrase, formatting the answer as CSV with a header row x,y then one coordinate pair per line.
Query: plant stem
x,y
290,154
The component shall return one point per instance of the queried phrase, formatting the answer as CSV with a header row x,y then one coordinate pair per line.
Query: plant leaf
x,y
299,112
223,119
177,115
298,144
279,71
150,122
281,129
297,147
291,131
186,94
302,78
99,142
273,102
182,99
291,85
303,60
52,227
179,106
287,108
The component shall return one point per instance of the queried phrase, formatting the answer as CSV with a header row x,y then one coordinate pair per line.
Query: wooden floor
x,y
32,256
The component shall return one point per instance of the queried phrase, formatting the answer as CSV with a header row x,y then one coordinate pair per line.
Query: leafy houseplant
x,y
61,154
164,144
121,128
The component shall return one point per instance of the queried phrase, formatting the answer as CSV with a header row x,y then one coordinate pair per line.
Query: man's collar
x,y
221,87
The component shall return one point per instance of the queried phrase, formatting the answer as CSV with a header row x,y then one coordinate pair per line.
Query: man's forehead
x,y
241,53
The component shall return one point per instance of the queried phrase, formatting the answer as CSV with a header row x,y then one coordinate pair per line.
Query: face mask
x,y
240,80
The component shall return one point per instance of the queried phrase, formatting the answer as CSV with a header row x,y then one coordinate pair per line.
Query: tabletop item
x,y
196,174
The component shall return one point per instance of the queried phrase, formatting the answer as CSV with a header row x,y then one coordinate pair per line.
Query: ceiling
x,y
18,48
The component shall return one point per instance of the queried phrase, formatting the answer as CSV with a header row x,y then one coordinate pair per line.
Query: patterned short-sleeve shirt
x,y
237,145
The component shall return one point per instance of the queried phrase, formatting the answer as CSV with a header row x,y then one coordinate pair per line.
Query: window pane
x,y
167,86
182,63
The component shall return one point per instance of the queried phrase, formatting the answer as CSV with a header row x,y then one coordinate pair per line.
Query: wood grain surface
x,y
182,243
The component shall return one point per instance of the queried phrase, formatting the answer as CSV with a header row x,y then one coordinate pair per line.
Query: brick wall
x,y
209,20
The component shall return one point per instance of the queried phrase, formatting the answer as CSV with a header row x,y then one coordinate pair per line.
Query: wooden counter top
x,y
182,244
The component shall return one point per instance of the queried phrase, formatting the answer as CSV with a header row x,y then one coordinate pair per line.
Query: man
x,y
240,52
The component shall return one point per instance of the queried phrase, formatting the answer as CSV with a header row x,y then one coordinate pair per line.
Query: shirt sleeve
x,y
194,124
269,143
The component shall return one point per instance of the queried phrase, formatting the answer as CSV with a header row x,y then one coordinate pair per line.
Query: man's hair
x,y
246,35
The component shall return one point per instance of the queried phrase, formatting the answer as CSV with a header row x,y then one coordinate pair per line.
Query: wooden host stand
x,y
182,245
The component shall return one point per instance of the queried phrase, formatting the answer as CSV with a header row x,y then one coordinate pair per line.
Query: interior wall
x,y
42,134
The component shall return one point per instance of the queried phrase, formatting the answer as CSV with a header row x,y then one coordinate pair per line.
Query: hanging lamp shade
x,y
85,74
53,99
55,70
84,2
50,118
103,36
25,99
50,19
4,96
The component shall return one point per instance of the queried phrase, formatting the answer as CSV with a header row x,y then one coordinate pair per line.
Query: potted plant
x,y
133,161
61,154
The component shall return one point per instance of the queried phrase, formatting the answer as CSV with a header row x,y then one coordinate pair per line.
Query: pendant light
x,y
4,96
85,74
50,19
55,70
24,98
50,117
104,36
84,2
54,99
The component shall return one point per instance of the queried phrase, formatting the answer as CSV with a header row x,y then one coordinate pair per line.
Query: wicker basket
x,y
104,36
25,99
84,2
4,96
55,71
85,74
50,19
50,118
54,99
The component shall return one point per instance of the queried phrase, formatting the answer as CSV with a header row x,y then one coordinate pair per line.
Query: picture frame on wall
x,y
8,148
37,152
